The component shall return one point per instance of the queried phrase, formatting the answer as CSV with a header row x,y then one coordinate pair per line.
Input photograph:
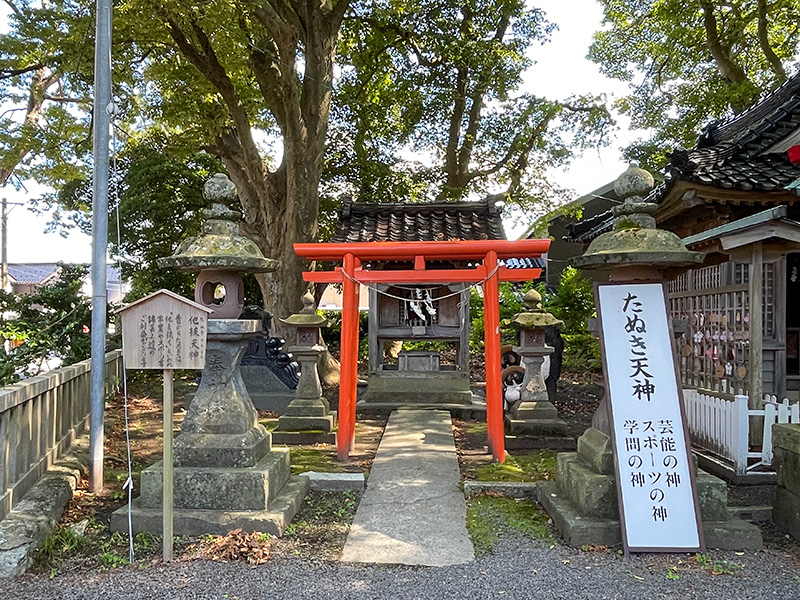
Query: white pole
x,y
101,120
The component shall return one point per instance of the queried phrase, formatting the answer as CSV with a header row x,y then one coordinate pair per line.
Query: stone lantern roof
x,y
220,247
635,241
535,315
307,317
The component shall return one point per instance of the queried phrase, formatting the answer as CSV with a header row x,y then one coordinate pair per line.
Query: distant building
x,y
26,278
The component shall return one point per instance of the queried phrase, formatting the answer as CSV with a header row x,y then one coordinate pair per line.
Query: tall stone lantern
x,y
221,425
534,413
227,474
583,500
308,418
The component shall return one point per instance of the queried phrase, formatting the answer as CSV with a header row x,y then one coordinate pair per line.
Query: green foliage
x,y
510,301
50,323
535,466
157,189
61,542
332,335
716,566
691,62
581,352
572,301
488,515
444,78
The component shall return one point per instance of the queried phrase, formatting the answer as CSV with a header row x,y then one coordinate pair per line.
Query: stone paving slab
x,y
412,512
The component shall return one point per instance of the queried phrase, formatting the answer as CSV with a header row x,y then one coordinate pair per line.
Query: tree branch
x,y
763,41
729,69
9,73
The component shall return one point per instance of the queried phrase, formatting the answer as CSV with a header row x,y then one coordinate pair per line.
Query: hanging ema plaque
x,y
655,477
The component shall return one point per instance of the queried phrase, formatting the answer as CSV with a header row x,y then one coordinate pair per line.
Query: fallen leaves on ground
x,y
239,545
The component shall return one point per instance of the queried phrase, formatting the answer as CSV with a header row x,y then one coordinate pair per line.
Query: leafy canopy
x,y
690,62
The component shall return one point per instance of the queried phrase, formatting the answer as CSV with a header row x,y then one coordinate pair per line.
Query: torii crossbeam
x,y
487,270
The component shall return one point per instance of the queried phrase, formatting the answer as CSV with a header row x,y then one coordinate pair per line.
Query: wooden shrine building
x,y
734,196
418,261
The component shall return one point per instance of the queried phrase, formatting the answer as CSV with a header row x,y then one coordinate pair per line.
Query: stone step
x,y
186,521
595,495
325,423
215,488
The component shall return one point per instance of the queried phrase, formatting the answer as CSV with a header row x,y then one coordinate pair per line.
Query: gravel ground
x,y
517,568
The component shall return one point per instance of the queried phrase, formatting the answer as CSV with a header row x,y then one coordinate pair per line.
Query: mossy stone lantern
x,y
307,418
221,426
220,254
228,475
534,413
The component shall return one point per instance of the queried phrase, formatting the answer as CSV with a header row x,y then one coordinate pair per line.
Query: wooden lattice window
x,y
714,350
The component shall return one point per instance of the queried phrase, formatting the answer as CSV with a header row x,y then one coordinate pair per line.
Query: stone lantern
x,y
308,418
227,474
221,426
583,500
534,413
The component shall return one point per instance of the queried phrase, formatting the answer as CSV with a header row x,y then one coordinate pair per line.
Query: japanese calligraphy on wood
x,y
164,331
655,478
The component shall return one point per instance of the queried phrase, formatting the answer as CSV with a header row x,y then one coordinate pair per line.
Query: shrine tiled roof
x,y
419,222
746,153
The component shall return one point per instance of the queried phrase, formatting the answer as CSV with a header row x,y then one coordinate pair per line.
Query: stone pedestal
x,y
583,501
308,419
786,510
227,475
534,414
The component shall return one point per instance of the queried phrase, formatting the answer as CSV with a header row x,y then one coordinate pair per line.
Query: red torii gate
x,y
489,272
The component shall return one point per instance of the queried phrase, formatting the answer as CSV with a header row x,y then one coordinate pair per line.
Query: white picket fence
x,y
722,426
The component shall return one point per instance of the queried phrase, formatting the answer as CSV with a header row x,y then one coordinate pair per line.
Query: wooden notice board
x,y
655,475
164,331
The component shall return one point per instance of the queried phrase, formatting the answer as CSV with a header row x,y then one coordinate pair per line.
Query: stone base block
x,y
536,411
308,408
786,512
303,438
537,427
579,530
272,402
594,447
418,387
222,450
214,488
712,496
325,423
539,442
475,410
594,495
212,522
732,534
576,529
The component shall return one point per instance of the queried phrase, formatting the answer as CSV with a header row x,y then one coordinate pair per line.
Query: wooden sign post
x,y
165,331
655,475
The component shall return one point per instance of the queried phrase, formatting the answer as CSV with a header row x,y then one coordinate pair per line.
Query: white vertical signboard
x,y
655,479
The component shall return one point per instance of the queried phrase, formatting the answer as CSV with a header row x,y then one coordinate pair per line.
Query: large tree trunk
x,y
280,208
